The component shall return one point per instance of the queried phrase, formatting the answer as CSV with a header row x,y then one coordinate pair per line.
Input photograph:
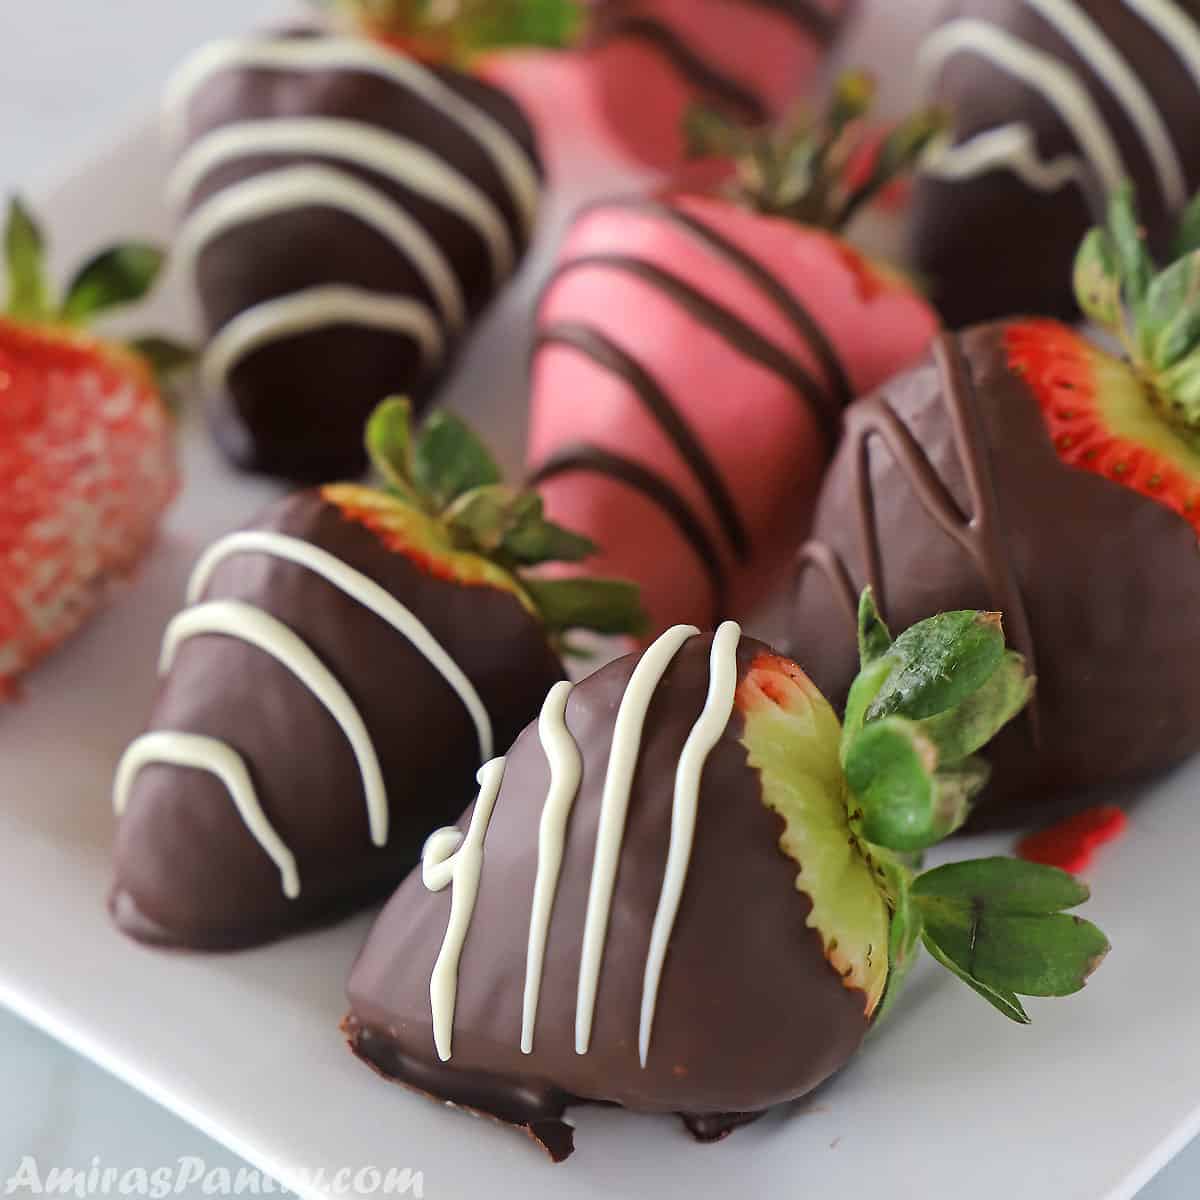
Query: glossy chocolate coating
x,y
296,406
749,1012
993,245
188,871
1095,581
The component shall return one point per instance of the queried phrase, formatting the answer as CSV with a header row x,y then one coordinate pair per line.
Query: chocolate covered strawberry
x,y
1027,468
694,354
685,889
346,663
622,73
87,463
348,213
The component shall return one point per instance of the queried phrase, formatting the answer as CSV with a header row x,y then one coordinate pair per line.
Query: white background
x,y
72,72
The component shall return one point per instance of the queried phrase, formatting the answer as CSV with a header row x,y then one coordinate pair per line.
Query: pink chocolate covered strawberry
x,y
86,458
694,354
637,66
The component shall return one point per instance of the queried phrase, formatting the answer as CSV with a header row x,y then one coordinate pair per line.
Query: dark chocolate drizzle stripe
x,y
808,14
727,324
583,457
701,74
979,534
806,325
607,355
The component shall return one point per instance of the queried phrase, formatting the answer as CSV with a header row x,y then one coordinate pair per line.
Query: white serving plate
x,y
950,1099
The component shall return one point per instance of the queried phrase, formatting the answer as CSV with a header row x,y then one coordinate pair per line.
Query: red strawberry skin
x,y
87,468
731,378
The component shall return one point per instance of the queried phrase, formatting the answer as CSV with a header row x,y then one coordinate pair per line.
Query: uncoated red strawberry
x,y
693,358
87,464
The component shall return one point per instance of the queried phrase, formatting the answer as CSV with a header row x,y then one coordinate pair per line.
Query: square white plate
x,y
950,1100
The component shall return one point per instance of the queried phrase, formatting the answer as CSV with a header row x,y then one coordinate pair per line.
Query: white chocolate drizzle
x,y
208,754
264,196
1046,74
1175,27
359,587
449,859
318,308
258,628
1106,61
705,734
1009,147
387,154
614,807
566,772
231,618
357,54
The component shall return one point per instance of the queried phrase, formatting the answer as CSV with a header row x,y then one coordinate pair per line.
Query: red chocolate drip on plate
x,y
772,288
608,356
977,533
725,323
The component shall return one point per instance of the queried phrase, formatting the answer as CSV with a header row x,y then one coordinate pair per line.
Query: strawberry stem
x,y
815,172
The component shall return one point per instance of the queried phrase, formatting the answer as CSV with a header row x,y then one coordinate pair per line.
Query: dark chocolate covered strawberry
x,y
685,890
1025,468
346,663
348,212
694,354
87,454
1055,103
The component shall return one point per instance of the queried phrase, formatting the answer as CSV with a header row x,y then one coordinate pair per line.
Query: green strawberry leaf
x,y
1006,885
999,925
874,637
904,936
1187,239
862,695
977,718
24,256
900,151
1163,338
115,277
1098,281
1129,243
553,24
609,606
389,445
890,769
939,663
1001,998
511,525
448,460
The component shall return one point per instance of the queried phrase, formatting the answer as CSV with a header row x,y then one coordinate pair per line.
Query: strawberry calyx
x,y
924,704
113,278
457,31
1153,312
443,503
817,172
